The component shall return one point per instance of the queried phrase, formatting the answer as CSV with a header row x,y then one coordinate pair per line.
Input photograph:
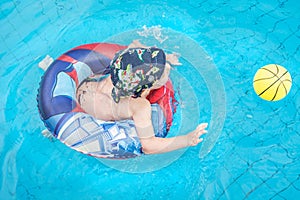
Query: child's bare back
x,y
95,98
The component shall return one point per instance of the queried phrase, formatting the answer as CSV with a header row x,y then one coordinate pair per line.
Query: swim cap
x,y
135,69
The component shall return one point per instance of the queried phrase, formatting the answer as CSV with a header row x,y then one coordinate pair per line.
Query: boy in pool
x,y
134,72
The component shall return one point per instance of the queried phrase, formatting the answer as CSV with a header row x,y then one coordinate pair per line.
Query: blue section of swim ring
x,y
57,101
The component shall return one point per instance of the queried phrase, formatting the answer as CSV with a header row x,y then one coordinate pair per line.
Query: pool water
x,y
252,149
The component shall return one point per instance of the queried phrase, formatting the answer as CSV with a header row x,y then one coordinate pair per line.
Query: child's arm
x,y
155,145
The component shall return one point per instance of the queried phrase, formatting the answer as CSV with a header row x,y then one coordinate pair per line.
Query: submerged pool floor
x,y
256,150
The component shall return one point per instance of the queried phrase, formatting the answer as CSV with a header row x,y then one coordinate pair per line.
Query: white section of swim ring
x,y
82,132
46,62
116,133
65,85
74,136
68,123
89,147
83,71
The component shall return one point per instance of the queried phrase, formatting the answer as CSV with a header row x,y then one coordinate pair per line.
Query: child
x,y
134,72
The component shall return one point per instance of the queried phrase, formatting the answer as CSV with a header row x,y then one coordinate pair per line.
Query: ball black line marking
x,y
273,84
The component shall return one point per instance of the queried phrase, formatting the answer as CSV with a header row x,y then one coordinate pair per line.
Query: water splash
x,y
155,31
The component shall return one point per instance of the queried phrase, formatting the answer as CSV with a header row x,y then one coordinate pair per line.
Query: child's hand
x,y
145,93
173,58
193,138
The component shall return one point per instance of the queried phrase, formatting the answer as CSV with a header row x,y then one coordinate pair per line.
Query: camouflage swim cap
x,y
135,69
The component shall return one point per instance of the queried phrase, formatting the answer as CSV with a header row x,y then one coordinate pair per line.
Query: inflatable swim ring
x,y
68,122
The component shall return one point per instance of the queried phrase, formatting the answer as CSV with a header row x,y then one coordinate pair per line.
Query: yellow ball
x,y
272,82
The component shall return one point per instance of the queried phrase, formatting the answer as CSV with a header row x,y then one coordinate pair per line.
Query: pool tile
x,y
210,191
291,172
290,193
279,156
248,141
289,43
296,184
289,140
288,112
249,181
264,169
225,178
261,191
277,197
234,192
12,38
235,164
278,183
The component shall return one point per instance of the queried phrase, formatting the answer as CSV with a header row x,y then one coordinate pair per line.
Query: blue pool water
x,y
252,148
